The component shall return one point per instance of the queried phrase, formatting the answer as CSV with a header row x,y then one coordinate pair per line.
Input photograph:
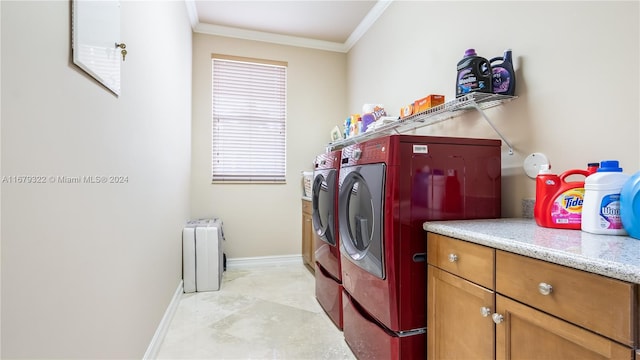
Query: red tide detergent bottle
x,y
558,201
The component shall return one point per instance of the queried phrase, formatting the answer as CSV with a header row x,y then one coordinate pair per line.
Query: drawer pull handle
x,y
545,289
453,257
485,311
497,318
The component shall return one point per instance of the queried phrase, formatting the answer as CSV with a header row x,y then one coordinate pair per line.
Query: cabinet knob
x,y
544,288
453,257
485,311
497,318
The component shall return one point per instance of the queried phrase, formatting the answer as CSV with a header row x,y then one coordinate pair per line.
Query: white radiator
x,y
202,255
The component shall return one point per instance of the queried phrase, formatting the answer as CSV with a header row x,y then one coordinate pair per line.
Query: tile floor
x,y
266,312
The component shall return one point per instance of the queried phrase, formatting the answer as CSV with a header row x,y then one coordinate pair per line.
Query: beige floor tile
x,y
267,312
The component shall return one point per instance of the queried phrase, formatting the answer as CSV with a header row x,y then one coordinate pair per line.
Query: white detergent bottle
x,y
601,206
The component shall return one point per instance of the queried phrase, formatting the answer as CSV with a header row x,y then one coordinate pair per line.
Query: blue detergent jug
x,y
630,205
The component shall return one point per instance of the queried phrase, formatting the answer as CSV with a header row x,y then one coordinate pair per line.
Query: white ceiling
x,y
322,24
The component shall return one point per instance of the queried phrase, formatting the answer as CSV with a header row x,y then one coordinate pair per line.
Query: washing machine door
x,y
323,199
360,215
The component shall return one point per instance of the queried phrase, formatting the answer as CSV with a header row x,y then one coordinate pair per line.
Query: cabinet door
x,y
307,239
526,333
307,235
459,323
312,243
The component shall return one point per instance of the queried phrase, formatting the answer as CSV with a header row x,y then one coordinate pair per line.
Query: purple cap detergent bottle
x,y
474,74
504,77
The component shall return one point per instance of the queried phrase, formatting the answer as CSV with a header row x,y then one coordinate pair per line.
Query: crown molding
x,y
269,37
366,23
373,15
192,12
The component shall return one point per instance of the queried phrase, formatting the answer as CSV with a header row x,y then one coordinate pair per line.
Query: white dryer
x,y
202,255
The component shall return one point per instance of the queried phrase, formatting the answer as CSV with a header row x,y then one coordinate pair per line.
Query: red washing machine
x,y
325,224
388,188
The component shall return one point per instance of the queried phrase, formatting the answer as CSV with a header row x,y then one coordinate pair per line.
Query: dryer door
x,y
360,215
323,198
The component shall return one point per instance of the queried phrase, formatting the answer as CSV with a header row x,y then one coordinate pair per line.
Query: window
x,y
249,120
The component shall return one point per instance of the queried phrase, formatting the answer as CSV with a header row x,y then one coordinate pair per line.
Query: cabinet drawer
x,y
598,303
468,260
306,207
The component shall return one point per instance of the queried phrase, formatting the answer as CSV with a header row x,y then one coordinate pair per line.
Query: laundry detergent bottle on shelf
x,y
504,77
474,74
558,201
601,207
630,206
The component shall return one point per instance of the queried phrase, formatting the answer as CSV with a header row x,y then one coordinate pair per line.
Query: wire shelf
x,y
434,115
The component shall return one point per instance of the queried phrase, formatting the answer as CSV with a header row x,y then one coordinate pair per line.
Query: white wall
x,y
0,188
577,77
265,219
89,269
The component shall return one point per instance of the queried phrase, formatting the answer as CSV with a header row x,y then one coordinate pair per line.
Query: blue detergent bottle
x,y
630,205
504,77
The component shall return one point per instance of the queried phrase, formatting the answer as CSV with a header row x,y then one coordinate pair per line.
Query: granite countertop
x,y
614,256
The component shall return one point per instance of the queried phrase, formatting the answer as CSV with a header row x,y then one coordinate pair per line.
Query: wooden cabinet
x,y
460,299
308,246
538,310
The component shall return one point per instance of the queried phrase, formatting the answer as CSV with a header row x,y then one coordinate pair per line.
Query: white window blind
x,y
249,120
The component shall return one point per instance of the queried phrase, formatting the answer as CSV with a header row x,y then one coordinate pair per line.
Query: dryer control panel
x,y
330,160
369,152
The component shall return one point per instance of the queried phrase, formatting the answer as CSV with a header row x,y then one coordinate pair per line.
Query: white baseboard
x,y
236,263
163,327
